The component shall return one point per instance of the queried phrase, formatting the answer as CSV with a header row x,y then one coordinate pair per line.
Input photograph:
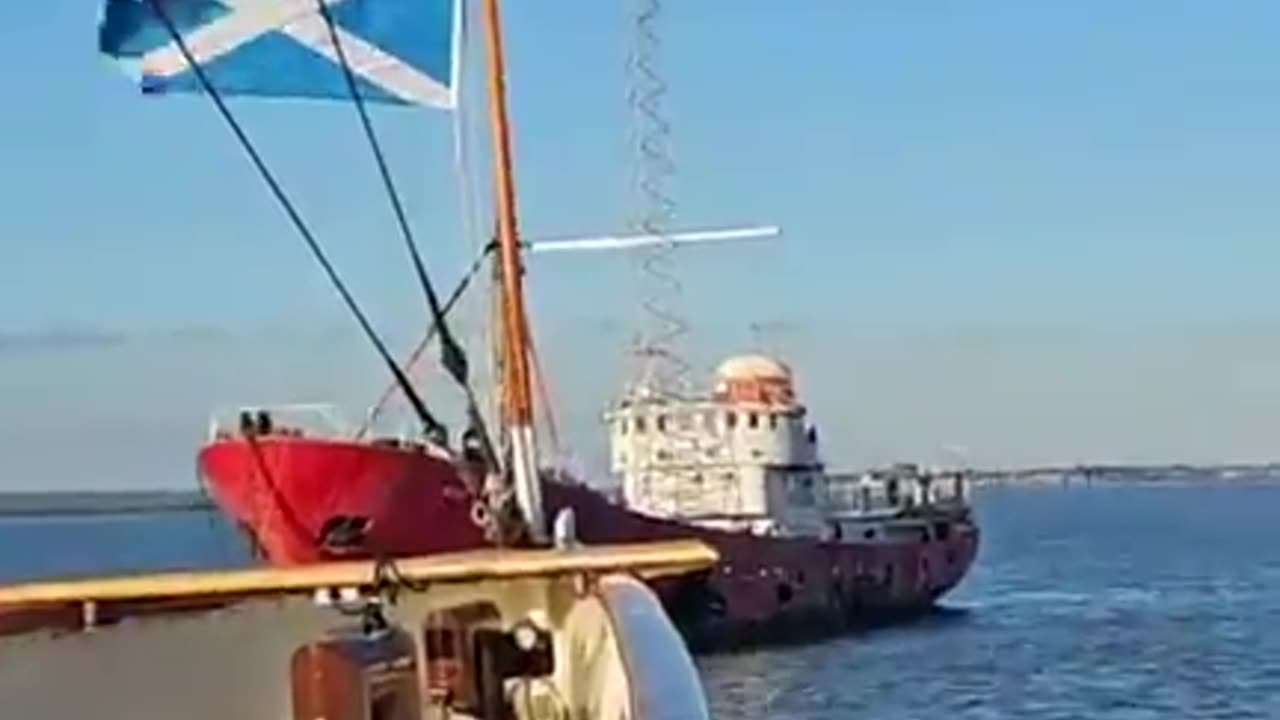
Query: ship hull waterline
x,y
285,492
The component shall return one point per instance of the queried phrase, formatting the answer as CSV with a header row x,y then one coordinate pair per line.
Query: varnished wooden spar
x,y
648,560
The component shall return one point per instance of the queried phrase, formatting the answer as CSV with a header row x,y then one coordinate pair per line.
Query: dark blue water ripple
x,y
1110,602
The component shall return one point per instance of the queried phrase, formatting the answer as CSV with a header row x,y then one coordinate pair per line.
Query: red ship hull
x,y
284,490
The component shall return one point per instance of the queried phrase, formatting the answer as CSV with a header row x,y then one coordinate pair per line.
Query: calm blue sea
x,y
1121,602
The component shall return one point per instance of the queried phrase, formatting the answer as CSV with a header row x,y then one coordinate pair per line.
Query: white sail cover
x,y
401,51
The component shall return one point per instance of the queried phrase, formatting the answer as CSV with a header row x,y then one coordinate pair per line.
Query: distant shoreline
x,y
117,502
32,503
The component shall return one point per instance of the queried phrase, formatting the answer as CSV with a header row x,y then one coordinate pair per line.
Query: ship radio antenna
x,y
662,371
660,376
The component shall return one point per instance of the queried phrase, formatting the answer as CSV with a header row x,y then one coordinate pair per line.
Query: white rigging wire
x,y
463,135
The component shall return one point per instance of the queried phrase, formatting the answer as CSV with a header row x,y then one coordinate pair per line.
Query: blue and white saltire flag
x,y
400,51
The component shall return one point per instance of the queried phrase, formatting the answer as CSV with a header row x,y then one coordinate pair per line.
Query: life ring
x,y
480,515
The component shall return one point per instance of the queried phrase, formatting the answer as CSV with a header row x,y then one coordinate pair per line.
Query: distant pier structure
x,y
1089,474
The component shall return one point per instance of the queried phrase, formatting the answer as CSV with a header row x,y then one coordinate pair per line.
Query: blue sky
x,y
1041,231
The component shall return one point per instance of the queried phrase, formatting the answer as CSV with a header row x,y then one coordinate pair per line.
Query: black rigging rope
x,y
454,359
429,420
454,296
452,356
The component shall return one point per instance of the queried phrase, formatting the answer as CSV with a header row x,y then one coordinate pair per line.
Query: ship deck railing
x,y
324,421
871,497
318,420
899,512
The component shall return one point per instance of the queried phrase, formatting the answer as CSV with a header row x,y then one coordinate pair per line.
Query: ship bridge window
x,y
731,419
773,421
660,423
639,425
753,421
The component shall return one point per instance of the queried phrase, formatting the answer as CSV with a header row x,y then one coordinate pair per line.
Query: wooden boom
x,y
648,560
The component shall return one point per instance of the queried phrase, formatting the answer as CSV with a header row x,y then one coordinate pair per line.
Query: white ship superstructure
x,y
746,457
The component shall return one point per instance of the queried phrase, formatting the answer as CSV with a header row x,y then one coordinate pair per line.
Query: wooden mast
x,y
516,387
